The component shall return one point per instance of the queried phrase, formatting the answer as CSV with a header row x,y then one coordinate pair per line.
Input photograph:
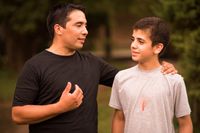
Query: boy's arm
x,y
185,124
118,122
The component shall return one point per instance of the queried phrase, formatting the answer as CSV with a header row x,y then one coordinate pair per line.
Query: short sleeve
x,y
26,87
182,107
114,98
107,72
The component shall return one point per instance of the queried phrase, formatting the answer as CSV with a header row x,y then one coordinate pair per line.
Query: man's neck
x,y
59,50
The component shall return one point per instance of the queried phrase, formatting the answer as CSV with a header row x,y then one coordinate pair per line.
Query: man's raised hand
x,y
69,101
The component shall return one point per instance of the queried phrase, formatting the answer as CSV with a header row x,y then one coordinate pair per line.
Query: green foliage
x,y
23,16
191,57
142,8
183,13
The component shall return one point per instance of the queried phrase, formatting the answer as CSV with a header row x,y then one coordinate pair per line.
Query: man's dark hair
x,y
159,30
59,15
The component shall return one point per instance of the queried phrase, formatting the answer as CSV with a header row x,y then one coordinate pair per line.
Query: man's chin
x,y
79,47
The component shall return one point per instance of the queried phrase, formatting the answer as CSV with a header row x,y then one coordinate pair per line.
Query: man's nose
x,y
85,31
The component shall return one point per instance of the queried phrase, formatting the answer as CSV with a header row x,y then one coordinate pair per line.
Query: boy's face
x,y
141,46
74,34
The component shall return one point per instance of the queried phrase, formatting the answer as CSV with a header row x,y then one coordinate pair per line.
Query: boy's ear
x,y
158,48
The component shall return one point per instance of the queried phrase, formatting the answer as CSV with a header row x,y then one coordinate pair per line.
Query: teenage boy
x,y
145,100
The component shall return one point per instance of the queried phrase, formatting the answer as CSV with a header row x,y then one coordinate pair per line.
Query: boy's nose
x,y
133,44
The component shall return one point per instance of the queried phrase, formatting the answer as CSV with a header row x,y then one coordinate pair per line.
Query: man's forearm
x,y
30,114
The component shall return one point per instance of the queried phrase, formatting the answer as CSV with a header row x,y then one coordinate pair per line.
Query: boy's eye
x,y
141,42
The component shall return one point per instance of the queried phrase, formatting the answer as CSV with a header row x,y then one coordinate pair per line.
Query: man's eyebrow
x,y
80,22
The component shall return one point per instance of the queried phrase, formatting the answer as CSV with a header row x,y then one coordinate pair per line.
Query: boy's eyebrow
x,y
138,38
141,39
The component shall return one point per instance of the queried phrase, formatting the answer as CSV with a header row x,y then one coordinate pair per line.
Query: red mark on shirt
x,y
143,104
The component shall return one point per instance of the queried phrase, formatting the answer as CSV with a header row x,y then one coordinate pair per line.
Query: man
x,y
42,98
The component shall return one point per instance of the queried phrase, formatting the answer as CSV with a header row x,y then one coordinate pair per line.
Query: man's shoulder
x,y
37,59
90,57
87,54
37,56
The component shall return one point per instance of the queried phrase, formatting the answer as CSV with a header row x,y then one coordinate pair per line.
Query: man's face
x,y
141,46
75,32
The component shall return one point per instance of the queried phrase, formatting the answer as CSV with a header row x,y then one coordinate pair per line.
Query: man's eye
x,y
78,25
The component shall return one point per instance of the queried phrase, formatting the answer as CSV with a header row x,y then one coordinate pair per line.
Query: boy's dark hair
x,y
59,15
158,28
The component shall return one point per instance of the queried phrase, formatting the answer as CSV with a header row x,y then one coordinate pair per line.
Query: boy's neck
x,y
150,65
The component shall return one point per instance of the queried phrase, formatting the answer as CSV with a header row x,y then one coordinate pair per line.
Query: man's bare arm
x,y
29,114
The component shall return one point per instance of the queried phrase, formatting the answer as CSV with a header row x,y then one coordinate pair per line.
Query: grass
x,y
104,111
7,85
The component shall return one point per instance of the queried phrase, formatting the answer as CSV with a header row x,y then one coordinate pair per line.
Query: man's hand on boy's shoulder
x,y
168,68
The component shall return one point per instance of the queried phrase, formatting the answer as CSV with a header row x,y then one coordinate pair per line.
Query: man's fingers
x,y
78,93
77,90
170,71
168,68
68,87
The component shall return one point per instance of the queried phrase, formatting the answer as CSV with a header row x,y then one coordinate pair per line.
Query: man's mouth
x,y
82,40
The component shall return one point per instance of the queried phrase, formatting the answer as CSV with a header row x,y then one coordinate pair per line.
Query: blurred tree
x,y
185,18
22,28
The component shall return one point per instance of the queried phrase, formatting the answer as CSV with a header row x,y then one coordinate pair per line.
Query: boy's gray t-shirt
x,y
149,100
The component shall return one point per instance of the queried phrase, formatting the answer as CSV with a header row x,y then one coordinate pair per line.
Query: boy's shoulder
x,y
174,79
128,70
174,76
126,73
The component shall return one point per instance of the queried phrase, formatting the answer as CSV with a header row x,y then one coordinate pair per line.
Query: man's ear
x,y
58,29
158,48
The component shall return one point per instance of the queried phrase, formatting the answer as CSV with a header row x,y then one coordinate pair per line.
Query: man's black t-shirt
x,y
45,76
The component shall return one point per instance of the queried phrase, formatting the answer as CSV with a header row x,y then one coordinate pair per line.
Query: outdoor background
x,y
23,33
